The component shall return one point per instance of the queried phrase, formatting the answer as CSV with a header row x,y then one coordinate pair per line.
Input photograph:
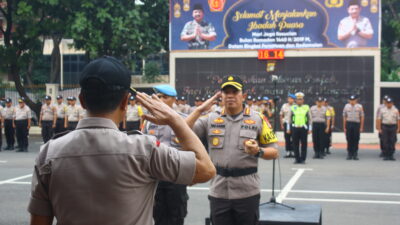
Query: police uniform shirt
x,y
61,110
380,107
23,113
198,43
163,133
353,113
47,112
133,113
319,114
8,113
1,111
103,176
355,40
285,112
226,136
74,113
389,116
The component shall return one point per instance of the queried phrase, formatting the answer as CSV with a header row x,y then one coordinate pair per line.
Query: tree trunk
x,y
55,60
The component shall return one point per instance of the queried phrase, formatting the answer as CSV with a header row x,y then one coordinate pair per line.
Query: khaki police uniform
x,y
21,117
48,114
171,199
133,114
100,175
235,191
9,131
319,117
73,114
353,115
61,110
285,113
328,142
389,118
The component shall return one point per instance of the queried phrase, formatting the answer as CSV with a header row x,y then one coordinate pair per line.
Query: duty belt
x,y
235,172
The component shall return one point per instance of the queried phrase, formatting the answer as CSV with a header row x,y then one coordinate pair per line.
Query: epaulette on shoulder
x,y
60,134
134,132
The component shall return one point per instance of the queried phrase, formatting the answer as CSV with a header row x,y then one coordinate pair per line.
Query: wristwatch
x,y
260,153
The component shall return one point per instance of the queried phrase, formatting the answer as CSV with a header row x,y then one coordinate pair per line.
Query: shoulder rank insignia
x,y
215,141
217,131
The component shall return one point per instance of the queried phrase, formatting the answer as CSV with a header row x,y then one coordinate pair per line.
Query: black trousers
x,y
328,142
47,130
288,138
9,132
319,138
72,125
381,142
300,137
389,139
21,128
170,206
236,211
59,126
352,137
132,125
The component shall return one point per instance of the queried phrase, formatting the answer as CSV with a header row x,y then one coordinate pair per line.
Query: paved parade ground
x,y
365,192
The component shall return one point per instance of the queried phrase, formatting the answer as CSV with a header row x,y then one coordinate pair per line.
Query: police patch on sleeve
x,y
267,134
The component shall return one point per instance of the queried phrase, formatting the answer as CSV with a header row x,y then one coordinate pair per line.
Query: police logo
x,y
215,141
219,121
216,131
230,78
249,122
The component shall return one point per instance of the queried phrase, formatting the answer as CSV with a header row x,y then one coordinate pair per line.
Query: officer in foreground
x,y
388,124
300,120
170,206
353,125
100,175
237,138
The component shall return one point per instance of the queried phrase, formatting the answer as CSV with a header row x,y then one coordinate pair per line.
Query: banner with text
x,y
274,24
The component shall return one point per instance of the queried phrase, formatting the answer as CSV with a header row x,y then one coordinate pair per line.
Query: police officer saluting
x,y
9,130
353,125
171,199
47,120
388,123
99,175
22,124
285,121
300,119
237,138
61,109
320,117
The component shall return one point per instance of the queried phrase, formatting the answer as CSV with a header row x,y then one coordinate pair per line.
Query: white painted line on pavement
x,y
15,179
346,193
18,182
343,200
288,187
2,161
307,169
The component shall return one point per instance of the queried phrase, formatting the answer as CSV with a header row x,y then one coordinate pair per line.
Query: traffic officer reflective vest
x,y
299,117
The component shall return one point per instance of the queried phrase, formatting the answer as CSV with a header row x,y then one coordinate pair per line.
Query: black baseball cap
x,y
47,97
131,98
109,71
353,97
182,98
197,98
59,97
8,100
320,99
389,100
198,7
233,81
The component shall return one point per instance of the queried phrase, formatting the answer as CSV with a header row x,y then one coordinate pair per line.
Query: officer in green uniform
x,y
300,118
170,206
237,138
